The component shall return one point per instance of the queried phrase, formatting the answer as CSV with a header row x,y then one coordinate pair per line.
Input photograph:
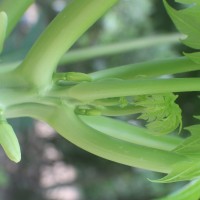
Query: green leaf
x,y
9,142
162,114
190,191
189,1
187,22
190,148
191,145
195,57
182,171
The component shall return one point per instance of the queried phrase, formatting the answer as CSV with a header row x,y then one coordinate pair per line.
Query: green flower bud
x,y
87,111
77,77
9,142
93,112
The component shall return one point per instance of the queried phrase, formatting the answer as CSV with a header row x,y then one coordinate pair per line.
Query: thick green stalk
x,y
63,120
30,110
13,87
111,127
118,88
14,9
130,133
121,47
148,69
59,36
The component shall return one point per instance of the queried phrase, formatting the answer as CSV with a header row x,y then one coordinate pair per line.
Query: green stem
x,y
13,87
112,127
107,102
121,47
148,69
118,88
73,129
59,36
110,148
14,9
120,111
130,133
29,110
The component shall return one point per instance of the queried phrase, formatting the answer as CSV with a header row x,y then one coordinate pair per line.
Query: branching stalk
x,y
121,47
73,129
131,133
148,69
59,36
117,88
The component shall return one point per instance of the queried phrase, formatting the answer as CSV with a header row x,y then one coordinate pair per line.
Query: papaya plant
x,y
78,105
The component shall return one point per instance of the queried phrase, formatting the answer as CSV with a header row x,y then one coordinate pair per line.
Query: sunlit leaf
x,y
161,112
188,23
190,191
191,145
182,171
195,57
190,148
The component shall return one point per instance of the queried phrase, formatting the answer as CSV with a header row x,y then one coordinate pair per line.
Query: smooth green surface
x,y
131,133
114,88
34,89
70,24
121,47
148,69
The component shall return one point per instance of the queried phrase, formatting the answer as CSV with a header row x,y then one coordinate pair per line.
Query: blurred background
x,y
51,167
